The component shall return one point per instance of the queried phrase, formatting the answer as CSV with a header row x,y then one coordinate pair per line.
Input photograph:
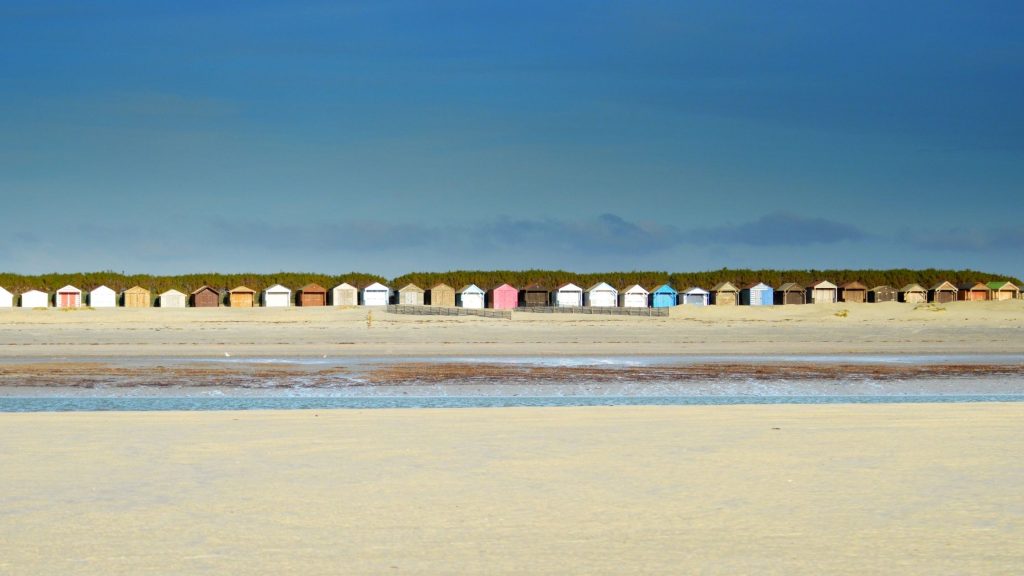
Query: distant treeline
x,y
897,278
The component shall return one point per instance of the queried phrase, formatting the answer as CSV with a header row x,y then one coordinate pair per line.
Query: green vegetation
x,y
488,279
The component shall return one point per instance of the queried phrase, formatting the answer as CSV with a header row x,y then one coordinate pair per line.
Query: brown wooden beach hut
x,y
972,292
790,293
441,295
913,294
137,297
725,294
883,293
410,295
242,297
942,293
853,292
312,295
533,295
205,297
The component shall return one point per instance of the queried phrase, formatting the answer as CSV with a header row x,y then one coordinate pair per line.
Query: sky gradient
x,y
391,136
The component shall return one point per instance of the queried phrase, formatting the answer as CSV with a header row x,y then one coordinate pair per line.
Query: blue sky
x,y
392,136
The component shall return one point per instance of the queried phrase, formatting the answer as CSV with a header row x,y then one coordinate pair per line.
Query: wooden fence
x,y
446,311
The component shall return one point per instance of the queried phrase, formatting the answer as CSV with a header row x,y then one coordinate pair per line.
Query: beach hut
x,y
695,297
504,297
103,297
470,296
344,294
68,297
312,295
883,293
204,297
634,296
136,297
441,295
173,299
242,297
853,292
942,293
972,292
759,294
567,295
913,294
725,294
533,295
277,296
663,296
790,293
1004,290
376,294
6,298
35,299
601,295
822,292
410,295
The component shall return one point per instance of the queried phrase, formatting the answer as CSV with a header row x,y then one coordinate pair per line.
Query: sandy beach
x,y
890,328
844,489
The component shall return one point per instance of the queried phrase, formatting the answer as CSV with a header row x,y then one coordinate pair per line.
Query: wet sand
x,y
844,489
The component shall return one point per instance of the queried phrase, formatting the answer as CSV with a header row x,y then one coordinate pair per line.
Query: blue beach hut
x,y
759,294
664,296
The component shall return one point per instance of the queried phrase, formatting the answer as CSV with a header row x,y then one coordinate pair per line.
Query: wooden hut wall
x,y
312,295
206,298
883,294
535,295
242,299
410,295
854,292
345,295
137,298
441,295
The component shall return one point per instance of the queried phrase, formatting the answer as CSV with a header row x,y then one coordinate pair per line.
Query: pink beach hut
x,y
504,297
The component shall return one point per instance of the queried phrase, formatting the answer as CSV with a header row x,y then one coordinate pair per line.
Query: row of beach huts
x,y
507,297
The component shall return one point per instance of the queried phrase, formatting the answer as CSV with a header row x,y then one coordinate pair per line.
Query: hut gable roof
x,y
912,288
758,286
664,289
853,286
376,286
313,289
173,292
790,287
881,287
4,291
277,288
441,286
724,287
971,286
1004,285
102,290
505,286
822,284
205,289
568,287
345,286
535,287
30,292
137,290
696,290
601,286
242,290
944,286
635,289
411,288
470,289
69,288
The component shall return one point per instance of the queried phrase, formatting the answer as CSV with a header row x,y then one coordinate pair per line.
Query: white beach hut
x,y
634,297
694,297
103,297
376,294
6,298
277,296
68,297
173,299
35,299
470,296
601,295
567,295
344,294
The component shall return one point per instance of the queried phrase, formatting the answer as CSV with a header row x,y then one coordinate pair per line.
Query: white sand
x,y
859,489
959,328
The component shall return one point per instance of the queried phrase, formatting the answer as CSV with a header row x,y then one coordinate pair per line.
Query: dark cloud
x,y
778,229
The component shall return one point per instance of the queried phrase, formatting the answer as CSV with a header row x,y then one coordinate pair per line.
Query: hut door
x,y
66,300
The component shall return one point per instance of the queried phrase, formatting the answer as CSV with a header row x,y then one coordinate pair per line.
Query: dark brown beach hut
x,y
312,295
205,297
942,293
441,295
790,293
972,292
725,294
883,293
242,297
853,292
533,295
